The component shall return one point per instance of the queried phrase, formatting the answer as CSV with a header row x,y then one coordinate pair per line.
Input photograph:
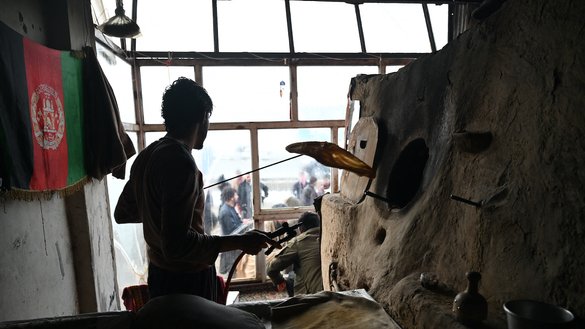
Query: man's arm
x,y
251,242
284,259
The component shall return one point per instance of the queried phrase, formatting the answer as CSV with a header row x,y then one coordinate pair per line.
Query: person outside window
x,y
245,197
310,192
165,193
299,185
230,223
302,252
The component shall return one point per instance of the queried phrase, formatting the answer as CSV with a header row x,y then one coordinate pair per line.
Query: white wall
x,y
37,275
56,255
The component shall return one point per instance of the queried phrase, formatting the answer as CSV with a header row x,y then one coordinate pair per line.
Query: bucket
x,y
530,314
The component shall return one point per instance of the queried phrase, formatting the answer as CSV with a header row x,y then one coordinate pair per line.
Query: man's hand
x,y
254,241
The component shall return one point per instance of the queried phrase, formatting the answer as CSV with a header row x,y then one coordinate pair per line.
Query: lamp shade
x,y
120,25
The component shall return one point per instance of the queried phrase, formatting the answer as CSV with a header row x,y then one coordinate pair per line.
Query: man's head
x,y
312,180
229,195
308,220
186,108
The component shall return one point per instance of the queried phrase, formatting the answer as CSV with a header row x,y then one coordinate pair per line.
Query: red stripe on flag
x,y
47,111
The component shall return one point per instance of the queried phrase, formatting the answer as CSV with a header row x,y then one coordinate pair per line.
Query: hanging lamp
x,y
120,25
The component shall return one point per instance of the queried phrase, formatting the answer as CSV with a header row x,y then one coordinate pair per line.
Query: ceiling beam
x,y
436,2
159,58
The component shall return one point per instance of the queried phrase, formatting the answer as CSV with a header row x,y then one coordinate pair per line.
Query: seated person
x,y
302,252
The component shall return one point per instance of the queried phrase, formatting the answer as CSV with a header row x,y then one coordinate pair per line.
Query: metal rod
x,y
215,27
379,197
358,17
291,42
429,27
251,171
458,198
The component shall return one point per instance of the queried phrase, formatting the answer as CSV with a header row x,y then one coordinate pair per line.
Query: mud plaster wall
x,y
520,75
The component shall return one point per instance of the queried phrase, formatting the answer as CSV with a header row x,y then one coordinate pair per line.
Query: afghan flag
x,y
41,116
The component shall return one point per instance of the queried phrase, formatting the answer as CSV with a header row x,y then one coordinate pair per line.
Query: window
x,y
404,25
154,81
324,27
281,178
175,25
120,77
323,90
265,96
246,94
129,245
252,25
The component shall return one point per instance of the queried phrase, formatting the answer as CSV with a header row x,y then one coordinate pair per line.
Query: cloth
x,y
135,297
330,310
107,145
165,193
303,253
41,98
59,119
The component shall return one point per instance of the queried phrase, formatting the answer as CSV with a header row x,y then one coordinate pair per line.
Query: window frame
x,y
292,60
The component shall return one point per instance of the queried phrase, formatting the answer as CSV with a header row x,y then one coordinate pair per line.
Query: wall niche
x,y
407,173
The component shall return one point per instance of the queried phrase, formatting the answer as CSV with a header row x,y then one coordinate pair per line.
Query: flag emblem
x,y
48,117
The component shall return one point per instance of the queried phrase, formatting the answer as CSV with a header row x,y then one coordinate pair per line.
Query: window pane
x,y
150,137
393,68
394,27
323,90
226,154
342,144
248,93
440,20
104,10
262,28
341,137
175,25
129,245
119,75
154,81
324,27
355,114
281,178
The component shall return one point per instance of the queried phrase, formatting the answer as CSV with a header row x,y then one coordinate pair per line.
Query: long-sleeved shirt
x,y
165,193
303,253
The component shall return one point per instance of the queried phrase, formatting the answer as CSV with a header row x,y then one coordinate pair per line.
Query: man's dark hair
x,y
184,103
309,220
227,193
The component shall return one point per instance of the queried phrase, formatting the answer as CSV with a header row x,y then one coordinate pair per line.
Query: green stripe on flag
x,y
73,99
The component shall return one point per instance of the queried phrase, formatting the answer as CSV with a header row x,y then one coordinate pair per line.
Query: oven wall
x,y
501,111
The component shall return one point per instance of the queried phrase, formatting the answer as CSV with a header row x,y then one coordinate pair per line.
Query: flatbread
x,y
330,310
